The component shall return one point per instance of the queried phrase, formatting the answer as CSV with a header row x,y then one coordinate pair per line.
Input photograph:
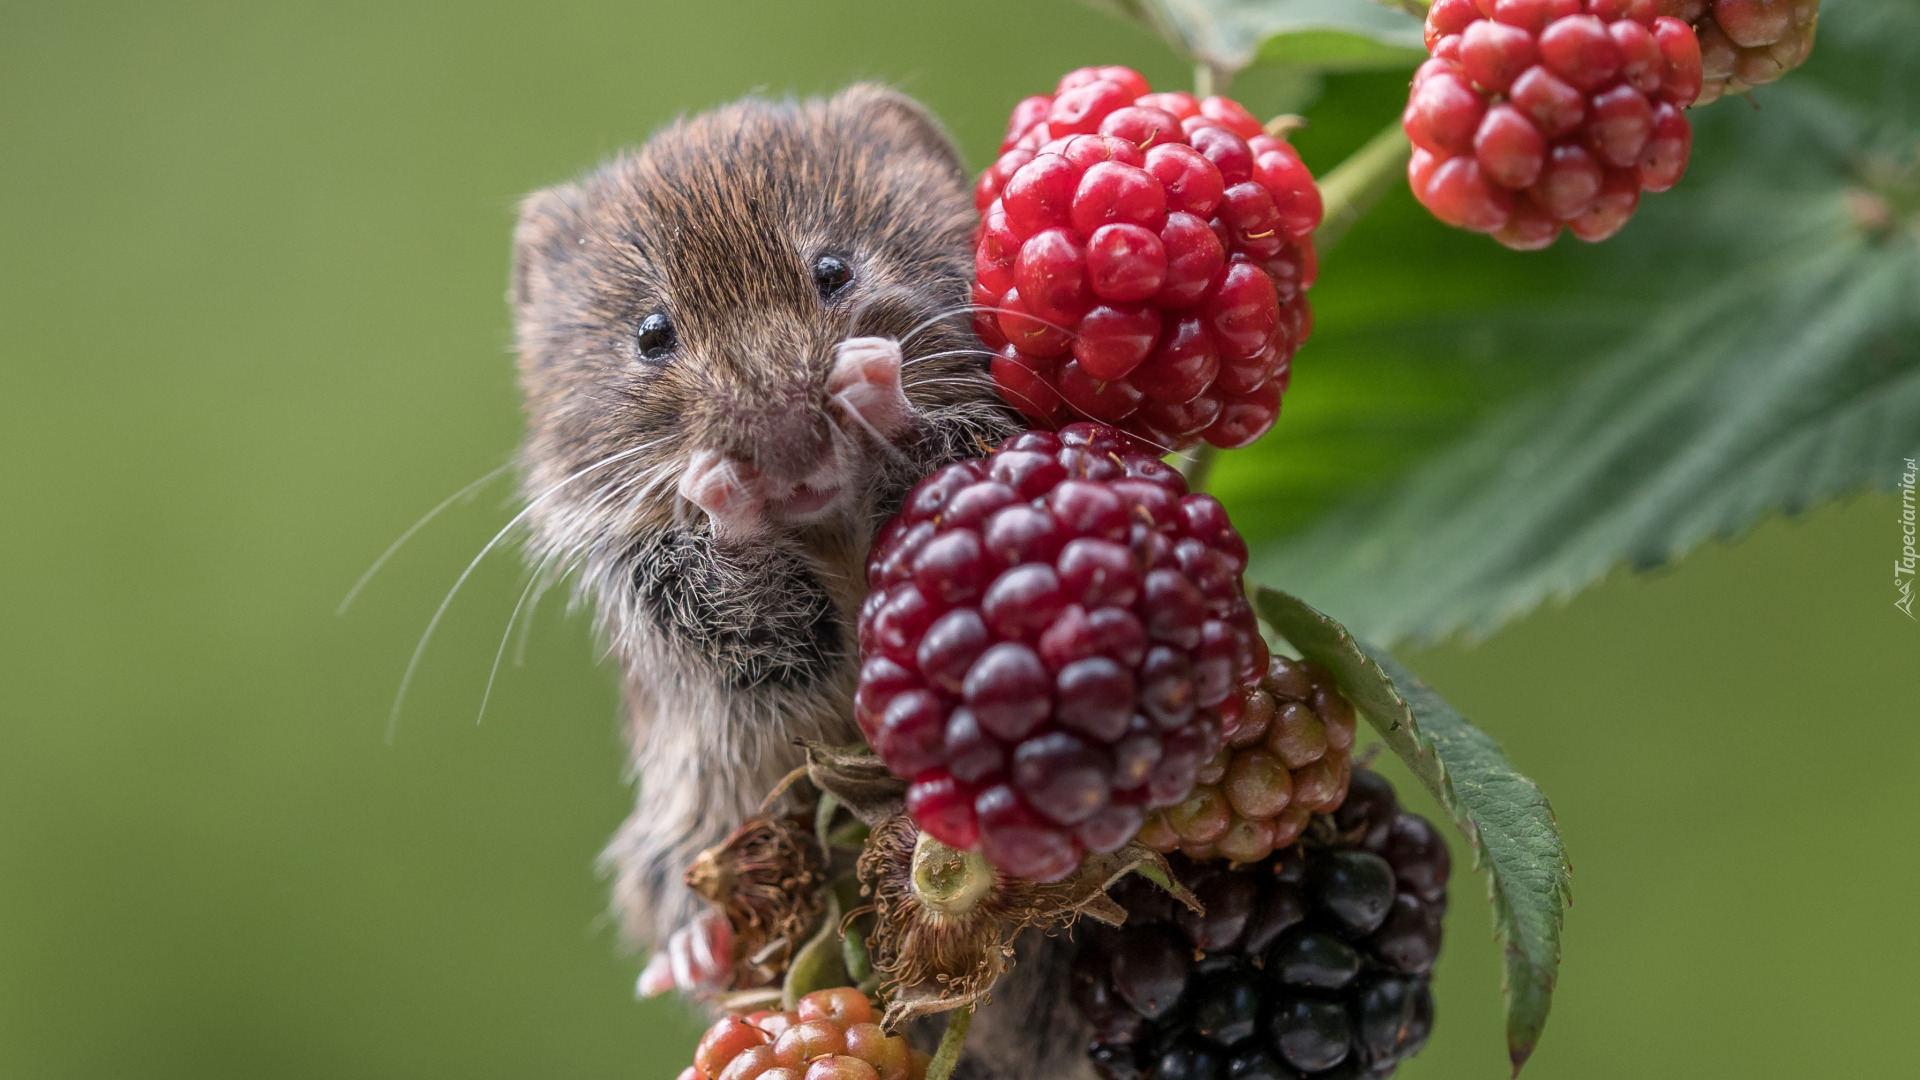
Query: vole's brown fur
x,y
731,649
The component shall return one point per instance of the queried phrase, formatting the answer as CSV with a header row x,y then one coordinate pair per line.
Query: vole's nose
x,y
790,441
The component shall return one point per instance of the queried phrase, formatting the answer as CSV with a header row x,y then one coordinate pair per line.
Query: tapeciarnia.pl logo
x,y
1904,565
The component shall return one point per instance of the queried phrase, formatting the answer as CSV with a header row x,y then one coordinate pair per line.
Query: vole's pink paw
x,y
865,382
697,959
729,490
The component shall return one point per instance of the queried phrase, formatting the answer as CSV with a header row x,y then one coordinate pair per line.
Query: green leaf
x,y
1337,50
1312,35
1749,345
1503,815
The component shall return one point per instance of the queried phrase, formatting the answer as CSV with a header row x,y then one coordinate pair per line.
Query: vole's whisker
x,y
536,586
464,493
884,442
933,320
419,650
944,353
1028,315
494,672
547,580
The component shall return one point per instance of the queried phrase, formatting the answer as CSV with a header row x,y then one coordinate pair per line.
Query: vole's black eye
x,y
831,274
656,338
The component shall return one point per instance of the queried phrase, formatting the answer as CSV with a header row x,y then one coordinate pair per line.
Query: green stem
x,y
1210,78
947,1054
1356,184
1198,465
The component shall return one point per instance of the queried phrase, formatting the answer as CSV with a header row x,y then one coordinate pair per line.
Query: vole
x,y
739,347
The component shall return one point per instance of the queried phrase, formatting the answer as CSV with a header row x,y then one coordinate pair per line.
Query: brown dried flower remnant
x,y
769,881
945,920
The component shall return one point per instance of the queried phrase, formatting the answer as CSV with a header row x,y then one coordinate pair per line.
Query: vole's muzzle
x,y
786,462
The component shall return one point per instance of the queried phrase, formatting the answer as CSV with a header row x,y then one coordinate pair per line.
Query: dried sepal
x,y
856,776
944,920
768,878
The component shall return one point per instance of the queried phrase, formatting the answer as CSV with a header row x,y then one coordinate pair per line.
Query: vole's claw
x,y
865,383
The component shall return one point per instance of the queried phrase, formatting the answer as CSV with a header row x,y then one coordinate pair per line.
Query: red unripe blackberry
x,y
1535,115
1056,636
828,1035
1746,43
1121,228
1288,756
1314,960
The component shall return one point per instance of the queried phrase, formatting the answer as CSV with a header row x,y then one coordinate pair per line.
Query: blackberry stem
x,y
1356,184
947,1054
1198,464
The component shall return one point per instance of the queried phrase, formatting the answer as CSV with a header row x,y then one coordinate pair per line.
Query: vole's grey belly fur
x,y
729,658
763,619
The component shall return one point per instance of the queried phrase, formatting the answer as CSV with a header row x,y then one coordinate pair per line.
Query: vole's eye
x,y
831,274
656,339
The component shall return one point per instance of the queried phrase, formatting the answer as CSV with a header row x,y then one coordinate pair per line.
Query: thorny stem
x,y
1356,184
947,1054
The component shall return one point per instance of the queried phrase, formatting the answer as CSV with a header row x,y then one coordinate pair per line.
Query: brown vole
x,y
740,346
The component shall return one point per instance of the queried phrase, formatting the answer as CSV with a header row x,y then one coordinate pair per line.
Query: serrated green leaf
x,y
1314,35
1750,344
1503,815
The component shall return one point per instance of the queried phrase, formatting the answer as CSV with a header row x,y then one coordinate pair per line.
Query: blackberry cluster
x,y
828,1035
1747,43
1312,963
1142,261
1288,756
1056,638
1534,115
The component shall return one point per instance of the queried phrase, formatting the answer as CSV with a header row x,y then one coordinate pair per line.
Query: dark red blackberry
x,y
1053,633
1311,963
1535,115
1142,260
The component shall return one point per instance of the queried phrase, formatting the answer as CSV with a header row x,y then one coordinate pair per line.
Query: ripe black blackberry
x,y
1311,963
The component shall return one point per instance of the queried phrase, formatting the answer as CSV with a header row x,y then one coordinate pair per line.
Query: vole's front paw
x,y
697,959
865,384
729,490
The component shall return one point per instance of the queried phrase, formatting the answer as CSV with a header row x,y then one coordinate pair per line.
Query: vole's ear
x,y
543,242
885,114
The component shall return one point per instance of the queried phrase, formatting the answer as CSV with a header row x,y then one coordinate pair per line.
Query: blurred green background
x,y
251,327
